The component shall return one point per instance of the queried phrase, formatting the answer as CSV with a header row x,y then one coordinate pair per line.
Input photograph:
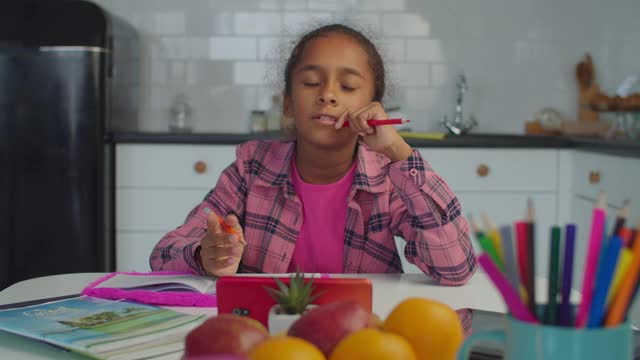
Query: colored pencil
x,y
620,304
374,122
514,303
487,246
591,263
625,234
494,234
566,309
229,230
531,259
521,249
603,283
551,309
637,283
632,237
509,257
621,217
475,227
621,271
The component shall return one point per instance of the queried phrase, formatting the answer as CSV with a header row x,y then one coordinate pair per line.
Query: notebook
x,y
103,329
156,288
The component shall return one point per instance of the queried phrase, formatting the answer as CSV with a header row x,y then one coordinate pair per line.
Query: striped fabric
x,y
406,199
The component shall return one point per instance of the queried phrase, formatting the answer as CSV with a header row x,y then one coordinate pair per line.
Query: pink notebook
x,y
156,288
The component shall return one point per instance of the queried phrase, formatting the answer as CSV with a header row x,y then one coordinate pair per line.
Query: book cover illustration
x,y
103,329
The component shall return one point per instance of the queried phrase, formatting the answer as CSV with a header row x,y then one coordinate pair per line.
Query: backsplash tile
x,y
518,56
267,23
410,74
424,50
232,48
249,73
297,21
405,25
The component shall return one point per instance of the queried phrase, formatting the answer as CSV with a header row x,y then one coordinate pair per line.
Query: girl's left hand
x,y
382,139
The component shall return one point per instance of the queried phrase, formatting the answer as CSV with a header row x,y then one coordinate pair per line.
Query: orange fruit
x,y
286,348
432,328
372,344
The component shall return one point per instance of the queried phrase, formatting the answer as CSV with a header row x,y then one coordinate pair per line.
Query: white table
x,y
388,290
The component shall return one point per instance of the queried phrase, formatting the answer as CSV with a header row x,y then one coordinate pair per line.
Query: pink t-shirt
x,y
320,245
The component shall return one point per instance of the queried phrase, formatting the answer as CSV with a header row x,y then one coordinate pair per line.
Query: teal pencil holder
x,y
525,341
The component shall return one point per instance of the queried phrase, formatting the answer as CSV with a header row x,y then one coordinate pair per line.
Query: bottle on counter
x,y
274,114
180,115
258,121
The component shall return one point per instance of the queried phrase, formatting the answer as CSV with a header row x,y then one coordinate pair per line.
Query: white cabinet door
x,y
154,209
618,176
505,209
134,248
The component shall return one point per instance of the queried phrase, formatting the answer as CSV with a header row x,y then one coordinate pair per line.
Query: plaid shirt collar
x,y
273,170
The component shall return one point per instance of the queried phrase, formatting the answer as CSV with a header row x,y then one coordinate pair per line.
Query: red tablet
x,y
245,295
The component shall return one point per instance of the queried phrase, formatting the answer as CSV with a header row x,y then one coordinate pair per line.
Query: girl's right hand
x,y
221,251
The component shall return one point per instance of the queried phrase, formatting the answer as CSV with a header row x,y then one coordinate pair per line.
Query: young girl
x,y
333,199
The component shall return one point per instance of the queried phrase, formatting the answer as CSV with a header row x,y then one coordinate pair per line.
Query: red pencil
x,y
382,122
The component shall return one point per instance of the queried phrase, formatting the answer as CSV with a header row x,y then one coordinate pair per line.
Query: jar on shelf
x,y
274,114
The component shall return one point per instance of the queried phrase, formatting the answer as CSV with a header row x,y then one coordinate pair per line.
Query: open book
x,y
158,288
103,329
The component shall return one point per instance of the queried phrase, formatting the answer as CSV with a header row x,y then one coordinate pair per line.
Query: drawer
x,y
617,176
495,170
155,209
177,166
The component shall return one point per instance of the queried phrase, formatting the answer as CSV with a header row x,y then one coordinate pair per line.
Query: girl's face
x,y
333,76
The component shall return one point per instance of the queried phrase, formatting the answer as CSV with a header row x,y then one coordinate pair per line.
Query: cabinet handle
x,y
482,170
594,177
200,167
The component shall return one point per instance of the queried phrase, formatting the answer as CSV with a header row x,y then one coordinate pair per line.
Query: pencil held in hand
x,y
229,230
382,122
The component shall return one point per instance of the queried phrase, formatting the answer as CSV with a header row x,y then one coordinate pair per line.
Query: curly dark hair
x,y
374,58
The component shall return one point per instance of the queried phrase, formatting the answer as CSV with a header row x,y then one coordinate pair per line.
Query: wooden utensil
x,y
585,76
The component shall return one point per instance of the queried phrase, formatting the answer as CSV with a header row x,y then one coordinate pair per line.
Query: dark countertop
x,y
614,147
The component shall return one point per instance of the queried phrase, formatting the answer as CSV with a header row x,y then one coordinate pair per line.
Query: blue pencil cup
x,y
525,341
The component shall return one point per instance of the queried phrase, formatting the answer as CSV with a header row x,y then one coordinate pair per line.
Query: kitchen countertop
x,y
618,147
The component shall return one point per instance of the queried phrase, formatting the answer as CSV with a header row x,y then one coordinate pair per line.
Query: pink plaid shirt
x,y
406,198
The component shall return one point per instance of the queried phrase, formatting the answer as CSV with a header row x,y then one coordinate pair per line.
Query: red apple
x,y
326,325
225,334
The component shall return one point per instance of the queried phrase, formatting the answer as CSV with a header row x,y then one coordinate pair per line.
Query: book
x,y
156,288
103,329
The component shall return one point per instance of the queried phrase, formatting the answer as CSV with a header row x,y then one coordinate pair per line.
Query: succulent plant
x,y
294,298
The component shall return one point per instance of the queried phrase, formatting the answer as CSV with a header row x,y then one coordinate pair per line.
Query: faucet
x,y
458,126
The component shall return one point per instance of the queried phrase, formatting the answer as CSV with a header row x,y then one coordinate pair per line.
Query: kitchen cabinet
x,y
156,187
158,184
618,177
498,183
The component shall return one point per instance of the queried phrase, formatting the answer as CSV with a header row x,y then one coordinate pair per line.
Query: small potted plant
x,y
292,301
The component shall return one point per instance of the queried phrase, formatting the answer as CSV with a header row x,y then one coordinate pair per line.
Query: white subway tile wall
x,y
518,56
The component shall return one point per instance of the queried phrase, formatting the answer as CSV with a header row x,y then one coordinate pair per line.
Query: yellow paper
x,y
422,136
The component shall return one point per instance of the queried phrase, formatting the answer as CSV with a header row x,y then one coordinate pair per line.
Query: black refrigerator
x,y
68,79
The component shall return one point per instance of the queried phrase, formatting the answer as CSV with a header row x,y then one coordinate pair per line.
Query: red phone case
x,y
245,295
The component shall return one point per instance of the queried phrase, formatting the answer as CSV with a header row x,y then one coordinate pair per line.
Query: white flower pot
x,y
280,322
